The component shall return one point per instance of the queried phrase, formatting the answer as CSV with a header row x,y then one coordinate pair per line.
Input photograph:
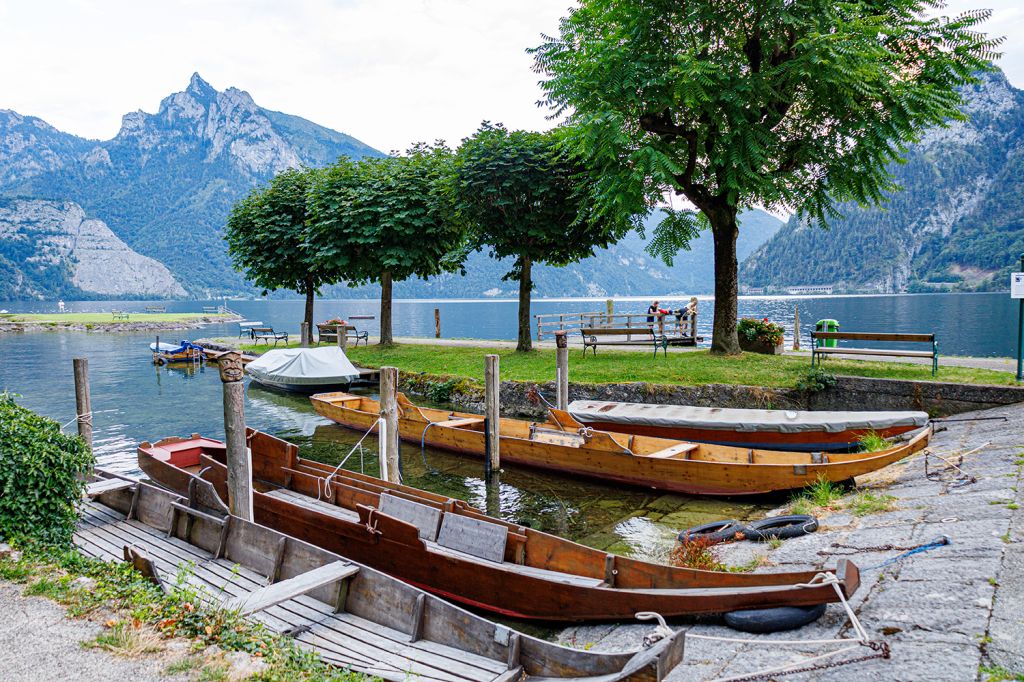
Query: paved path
x,y
945,613
39,643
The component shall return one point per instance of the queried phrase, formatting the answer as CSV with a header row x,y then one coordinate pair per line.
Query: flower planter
x,y
756,346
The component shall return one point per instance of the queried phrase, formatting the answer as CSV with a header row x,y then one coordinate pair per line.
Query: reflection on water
x,y
136,401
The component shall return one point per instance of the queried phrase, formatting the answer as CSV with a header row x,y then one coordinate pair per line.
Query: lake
x,y
981,325
135,401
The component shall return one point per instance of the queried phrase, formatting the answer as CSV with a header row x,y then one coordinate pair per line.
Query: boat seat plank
x,y
387,666
107,485
475,537
462,422
673,451
425,518
284,590
543,573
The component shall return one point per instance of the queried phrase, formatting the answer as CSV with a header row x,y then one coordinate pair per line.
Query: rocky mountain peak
x,y
199,87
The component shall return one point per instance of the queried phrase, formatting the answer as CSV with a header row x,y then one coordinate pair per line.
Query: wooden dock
x,y
340,638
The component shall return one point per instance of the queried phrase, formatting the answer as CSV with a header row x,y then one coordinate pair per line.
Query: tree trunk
x,y
724,340
385,309
525,287
308,316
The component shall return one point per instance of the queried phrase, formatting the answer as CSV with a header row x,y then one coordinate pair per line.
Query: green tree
x,y
788,104
526,197
268,239
388,219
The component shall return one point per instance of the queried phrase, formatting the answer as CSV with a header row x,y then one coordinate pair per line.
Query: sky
x,y
389,72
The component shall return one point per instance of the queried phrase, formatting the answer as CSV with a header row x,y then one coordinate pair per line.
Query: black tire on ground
x,y
718,531
774,620
781,527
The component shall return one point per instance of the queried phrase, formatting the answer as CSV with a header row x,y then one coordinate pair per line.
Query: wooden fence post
x,y
342,336
561,371
492,412
239,459
796,327
83,401
304,339
437,323
391,466
609,308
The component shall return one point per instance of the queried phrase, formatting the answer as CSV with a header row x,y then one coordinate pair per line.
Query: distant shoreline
x,y
102,322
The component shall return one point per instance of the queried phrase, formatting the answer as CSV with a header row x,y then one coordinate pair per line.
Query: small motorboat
x,y
303,370
794,430
566,446
169,353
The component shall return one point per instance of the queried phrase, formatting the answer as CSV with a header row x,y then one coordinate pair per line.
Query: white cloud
x,y
390,72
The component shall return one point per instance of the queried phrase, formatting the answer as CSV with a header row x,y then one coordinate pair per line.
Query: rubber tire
x,y
774,620
781,527
717,531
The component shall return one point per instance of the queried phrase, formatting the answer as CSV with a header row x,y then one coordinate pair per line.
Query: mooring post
x,y
342,336
561,371
304,340
437,323
389,429
796,327
492,413
609,308
83,402
239,459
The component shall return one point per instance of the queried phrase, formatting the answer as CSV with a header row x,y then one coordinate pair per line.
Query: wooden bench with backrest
x,y
267,333
818,354
245,328
119,314
618,336
329,333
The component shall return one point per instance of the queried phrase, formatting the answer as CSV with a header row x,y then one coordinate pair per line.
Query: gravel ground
x,y
38,642
947,613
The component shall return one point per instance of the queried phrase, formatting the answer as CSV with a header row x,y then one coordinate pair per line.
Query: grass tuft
x,y
873,442
866,502
698,553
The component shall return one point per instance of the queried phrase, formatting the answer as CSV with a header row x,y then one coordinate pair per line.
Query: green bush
x,y
815,381
41,475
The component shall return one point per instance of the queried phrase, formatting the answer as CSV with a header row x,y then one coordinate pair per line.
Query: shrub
x,y
699,553
41,475
768,333
815,381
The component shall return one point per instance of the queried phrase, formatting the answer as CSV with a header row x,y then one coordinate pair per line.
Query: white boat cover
x,y
729,419
165,347
303,366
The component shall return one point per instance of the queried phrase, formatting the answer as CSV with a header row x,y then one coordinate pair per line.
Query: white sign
x,y
1017,285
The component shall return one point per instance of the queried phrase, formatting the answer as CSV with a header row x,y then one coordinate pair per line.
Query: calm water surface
x,y
135,401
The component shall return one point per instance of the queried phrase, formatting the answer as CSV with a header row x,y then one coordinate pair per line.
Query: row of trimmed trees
x,y
790,105
518,194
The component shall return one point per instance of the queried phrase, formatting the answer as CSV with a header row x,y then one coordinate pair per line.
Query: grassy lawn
x,y
103,318
689,368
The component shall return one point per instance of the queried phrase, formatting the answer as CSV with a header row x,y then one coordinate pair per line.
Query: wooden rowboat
x,y
444,546
797,430
351,614
565,445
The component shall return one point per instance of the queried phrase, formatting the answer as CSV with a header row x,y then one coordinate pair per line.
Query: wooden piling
x,y
609,307
561,371
342,337
437,323
83,401
304,340
796,327
239,459
389,430
492,412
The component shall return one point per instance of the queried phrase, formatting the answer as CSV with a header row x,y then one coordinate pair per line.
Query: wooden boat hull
x,y
701,470
370,622
540,576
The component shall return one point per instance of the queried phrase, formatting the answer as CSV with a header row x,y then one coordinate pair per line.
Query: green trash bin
x,y
827,326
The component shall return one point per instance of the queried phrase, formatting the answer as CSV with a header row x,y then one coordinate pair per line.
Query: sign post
x,y
1017,291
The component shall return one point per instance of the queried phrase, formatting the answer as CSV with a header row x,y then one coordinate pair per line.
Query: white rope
x,y
327,492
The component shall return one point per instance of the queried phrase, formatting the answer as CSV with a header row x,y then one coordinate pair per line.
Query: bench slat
x,y
673,451
459,423
272,595
871,336
875,351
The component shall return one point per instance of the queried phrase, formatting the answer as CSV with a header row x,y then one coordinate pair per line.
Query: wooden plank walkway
x,y
341,638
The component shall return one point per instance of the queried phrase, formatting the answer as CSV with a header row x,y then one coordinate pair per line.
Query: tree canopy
x,y
525,196
387,219
269,239
793,105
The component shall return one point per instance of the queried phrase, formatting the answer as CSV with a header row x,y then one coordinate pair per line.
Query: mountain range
x,y
142,214
957,224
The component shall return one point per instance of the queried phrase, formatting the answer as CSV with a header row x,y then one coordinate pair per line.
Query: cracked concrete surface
x,y
946,613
